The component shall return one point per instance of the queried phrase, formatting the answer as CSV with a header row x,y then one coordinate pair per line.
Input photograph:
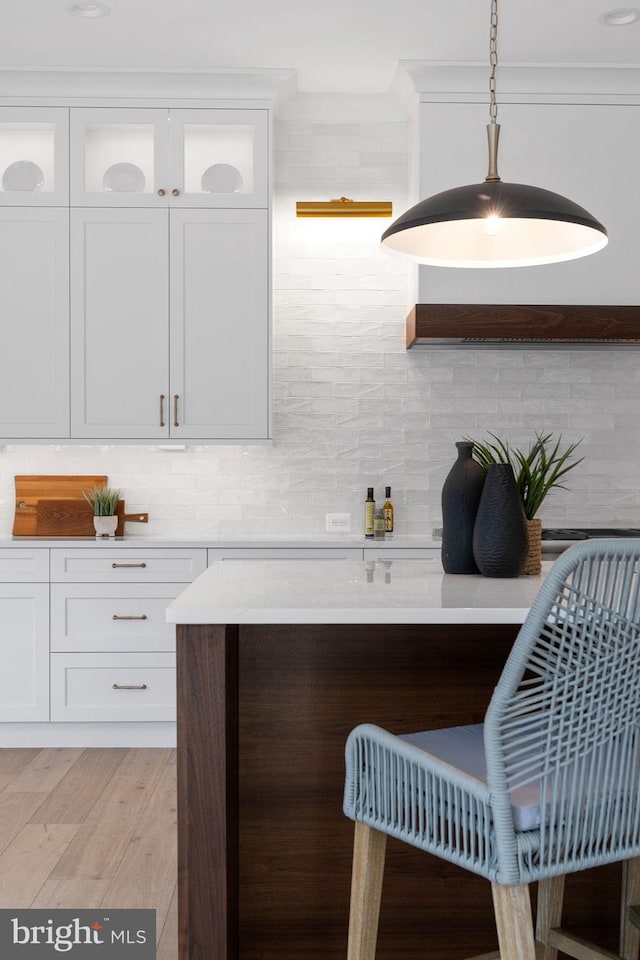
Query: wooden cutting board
x,y
32,488
54,506
74,518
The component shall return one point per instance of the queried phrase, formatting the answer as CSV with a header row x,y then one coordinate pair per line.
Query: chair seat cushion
x,y
463,749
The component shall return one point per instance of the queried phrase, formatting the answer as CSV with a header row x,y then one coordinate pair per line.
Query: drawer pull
x,y
129,686
117,565
117,616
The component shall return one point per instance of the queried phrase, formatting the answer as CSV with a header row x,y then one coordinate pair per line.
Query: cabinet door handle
x,y
176,397
117,616
161,192
116,565
162,409
129,686
175,192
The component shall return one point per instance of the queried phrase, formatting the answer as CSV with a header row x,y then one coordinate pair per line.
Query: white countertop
x,y
350,591
141,541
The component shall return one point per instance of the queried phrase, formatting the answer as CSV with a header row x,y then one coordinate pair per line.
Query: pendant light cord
x,y
493,128
493,60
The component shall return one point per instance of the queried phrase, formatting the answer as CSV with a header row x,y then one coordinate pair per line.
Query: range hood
x,y
499,326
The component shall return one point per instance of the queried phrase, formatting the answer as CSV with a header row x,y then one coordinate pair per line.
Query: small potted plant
x,y
104,503
537,471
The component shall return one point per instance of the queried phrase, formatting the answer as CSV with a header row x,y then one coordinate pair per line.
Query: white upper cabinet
x,y
177,157
34,273
218,158
34,156
134,268
169,324
119,324
34,360
219,353
119,157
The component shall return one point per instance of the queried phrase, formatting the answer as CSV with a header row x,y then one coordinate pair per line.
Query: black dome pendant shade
x,y
494,224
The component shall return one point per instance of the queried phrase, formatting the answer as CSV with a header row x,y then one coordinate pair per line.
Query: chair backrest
x,y
564,719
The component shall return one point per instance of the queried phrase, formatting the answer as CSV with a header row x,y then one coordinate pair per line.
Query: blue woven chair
x,y
546,786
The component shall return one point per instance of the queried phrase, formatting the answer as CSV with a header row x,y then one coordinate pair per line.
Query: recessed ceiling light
x,y
88,8
621,17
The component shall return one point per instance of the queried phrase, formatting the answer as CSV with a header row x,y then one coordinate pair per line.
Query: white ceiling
x,y
333,45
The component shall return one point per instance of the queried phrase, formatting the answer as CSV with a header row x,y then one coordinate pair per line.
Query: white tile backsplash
x,y
352,407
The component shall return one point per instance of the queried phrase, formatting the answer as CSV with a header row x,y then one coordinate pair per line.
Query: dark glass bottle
x,y
387,508
369,513
460,498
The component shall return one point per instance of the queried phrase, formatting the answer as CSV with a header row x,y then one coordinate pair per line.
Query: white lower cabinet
x,y
113,686
112,652
386,553
134,565
89,617
24,651
283,553
24,566
24,635
382,552
87,657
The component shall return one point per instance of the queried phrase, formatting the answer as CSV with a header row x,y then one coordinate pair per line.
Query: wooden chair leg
x,y
514,923
629,932
369,848
549,913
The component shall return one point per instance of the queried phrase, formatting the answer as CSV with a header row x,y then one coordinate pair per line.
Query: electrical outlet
x,y
338,521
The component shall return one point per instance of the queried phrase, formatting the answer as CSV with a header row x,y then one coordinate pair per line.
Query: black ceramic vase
x,y
460,498
500,534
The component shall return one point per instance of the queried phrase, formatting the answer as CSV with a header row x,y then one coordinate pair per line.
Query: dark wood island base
x,y
264,848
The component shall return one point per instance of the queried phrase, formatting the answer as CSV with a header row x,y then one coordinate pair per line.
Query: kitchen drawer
x,y
284,553
137,565
101,618
401,553
24,566
92,686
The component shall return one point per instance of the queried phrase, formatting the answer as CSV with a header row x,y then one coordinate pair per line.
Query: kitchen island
x,y
277,661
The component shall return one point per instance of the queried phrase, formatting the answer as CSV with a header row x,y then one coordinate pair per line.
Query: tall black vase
x,y
460,498
500,533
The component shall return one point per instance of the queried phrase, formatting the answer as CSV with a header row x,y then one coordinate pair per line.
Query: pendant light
x,y
494,224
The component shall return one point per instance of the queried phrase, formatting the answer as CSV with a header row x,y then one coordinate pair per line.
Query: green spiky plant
x,y
103,501
539,470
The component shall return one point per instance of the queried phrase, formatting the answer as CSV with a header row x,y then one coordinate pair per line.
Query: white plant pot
x,y
105,526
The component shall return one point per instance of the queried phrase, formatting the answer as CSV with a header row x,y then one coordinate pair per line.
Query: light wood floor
x,y
90,827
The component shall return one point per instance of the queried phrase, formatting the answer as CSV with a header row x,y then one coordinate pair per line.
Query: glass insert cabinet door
x,y
178,157
34,156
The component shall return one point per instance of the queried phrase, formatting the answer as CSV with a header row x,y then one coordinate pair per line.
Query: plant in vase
x,y
537,471
104,503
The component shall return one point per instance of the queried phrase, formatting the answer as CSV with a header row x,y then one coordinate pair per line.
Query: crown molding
x,y
82,84
522,82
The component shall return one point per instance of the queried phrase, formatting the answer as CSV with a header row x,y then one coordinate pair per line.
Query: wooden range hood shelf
x,y
472,325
